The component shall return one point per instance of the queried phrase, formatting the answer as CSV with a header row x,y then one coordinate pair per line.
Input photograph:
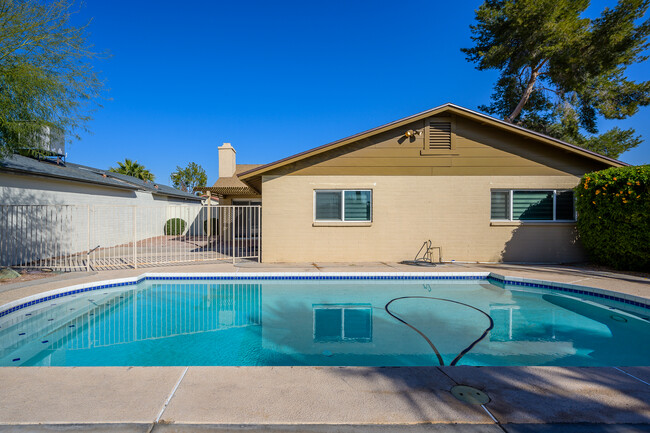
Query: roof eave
x,y
229,190
186,197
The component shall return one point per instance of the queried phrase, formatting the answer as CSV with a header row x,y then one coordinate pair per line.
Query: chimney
x,y
226,160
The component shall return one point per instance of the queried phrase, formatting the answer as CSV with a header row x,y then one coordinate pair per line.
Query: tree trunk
x,y
524,98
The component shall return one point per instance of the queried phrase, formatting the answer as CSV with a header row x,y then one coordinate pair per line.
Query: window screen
x,y
328,205
357,205
532,205
500,207
564,205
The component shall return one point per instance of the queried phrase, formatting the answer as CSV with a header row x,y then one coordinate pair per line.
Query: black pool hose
x,y
464,351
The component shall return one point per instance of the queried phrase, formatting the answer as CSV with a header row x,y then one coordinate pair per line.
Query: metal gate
x,y
98,237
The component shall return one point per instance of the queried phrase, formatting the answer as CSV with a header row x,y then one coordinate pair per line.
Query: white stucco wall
x,y
41,217
19,189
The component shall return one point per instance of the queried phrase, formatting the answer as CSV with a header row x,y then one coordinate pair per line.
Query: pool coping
x,y
38,298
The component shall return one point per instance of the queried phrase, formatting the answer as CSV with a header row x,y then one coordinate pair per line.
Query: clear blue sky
x,y
276,78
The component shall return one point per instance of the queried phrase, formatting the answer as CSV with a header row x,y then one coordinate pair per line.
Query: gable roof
x,y
84,174
445,108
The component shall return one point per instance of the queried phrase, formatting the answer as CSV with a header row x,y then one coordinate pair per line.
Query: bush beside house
x,y
213,226
614,216
175,226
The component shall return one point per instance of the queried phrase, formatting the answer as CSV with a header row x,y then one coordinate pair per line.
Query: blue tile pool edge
x,y
440,276
609,295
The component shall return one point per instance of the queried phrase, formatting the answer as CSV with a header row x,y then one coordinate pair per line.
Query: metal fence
x,y
98,237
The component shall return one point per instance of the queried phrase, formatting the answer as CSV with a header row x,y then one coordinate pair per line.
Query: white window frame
x,y
511,199
342,192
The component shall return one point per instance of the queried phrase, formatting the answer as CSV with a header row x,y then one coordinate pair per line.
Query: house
x,y
29,181
479,188
55,214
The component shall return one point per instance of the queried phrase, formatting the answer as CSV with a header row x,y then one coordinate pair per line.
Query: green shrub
x,y
175,226
213,226
614,216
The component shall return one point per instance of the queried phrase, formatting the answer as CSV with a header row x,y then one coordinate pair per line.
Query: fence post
x,y
209,225
259,234
135,240
232,224
88,249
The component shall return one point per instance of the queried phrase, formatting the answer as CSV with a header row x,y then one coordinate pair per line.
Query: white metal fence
x,y
68,237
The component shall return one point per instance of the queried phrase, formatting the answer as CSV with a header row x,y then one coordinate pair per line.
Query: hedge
x,y
175,226
614,216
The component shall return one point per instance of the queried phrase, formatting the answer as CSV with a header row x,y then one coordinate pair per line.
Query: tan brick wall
x,y
452,211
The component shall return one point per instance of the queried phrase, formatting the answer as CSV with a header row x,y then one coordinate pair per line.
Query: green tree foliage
x,y
614,216
189,177
46,73
561,71
132,168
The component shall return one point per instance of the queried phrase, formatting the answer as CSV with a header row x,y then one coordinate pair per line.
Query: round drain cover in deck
x,y
470,395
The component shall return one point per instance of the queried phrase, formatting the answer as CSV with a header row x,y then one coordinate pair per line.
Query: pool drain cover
x,y
470,395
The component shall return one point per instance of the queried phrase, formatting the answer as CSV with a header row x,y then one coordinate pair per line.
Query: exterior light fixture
x,y
412,133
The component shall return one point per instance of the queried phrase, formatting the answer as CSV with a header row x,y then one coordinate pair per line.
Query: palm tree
x,y
132,168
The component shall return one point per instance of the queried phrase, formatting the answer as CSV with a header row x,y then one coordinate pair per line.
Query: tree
x,y
47,81
189,177
132,168
560,72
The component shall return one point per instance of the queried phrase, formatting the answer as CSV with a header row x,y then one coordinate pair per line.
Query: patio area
x,y
319,399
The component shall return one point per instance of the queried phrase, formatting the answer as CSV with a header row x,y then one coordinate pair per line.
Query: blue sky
x,y
277,78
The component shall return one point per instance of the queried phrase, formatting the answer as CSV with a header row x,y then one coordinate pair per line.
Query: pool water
x,y
351,323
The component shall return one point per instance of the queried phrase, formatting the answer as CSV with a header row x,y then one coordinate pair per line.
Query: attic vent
x,y
439,135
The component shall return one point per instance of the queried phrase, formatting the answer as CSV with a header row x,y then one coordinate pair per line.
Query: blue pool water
x,y
371,323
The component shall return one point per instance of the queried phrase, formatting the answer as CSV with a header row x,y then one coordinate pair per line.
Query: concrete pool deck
x,y
315,399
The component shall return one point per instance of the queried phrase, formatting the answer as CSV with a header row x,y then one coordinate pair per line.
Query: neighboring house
x,y
28,181
80,209
480,188
209,199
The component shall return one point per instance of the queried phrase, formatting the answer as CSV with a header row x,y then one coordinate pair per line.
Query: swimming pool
x,y
335,320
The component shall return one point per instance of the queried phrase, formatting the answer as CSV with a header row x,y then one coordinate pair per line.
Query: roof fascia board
x,y
454,109
192,198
